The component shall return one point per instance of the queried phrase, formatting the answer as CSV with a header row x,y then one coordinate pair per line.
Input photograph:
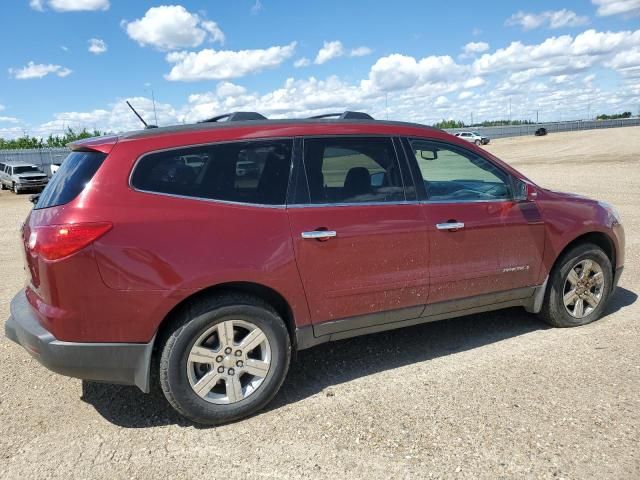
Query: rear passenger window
x,y
246,172
352,170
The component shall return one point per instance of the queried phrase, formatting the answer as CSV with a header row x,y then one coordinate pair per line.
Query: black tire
x,y
15,189
189,325
553,309
478,142
2,187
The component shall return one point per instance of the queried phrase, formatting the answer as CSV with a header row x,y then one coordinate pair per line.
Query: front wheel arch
x,y
599,239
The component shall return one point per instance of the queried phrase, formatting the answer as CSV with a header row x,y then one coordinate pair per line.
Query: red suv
x,y
201,256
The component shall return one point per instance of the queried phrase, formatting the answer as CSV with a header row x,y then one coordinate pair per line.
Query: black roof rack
x,y
235,117
346,116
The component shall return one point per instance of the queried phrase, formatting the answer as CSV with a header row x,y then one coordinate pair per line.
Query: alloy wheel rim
x,y
583,288
229,362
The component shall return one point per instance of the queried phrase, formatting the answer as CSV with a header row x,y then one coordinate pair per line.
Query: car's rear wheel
x,y
579,287
226,359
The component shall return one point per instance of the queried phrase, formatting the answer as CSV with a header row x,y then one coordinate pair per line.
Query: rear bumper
x,y
123,363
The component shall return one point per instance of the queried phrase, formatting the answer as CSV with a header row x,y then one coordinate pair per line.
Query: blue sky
x,y
74,62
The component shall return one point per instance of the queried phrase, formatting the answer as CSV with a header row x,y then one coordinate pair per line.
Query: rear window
x,y
247,172
70,179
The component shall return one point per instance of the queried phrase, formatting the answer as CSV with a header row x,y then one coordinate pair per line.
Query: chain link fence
x,y
552,127
44,157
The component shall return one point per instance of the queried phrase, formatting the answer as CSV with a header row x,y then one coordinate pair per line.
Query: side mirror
x,y
429,154
377,179
524,192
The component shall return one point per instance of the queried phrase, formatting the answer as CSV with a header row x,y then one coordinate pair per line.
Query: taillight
x,y
53,242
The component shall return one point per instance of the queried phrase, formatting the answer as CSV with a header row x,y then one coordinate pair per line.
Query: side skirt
x,y
309,336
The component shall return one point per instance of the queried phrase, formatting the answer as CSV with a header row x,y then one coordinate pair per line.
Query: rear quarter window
x,y
70,179
255,172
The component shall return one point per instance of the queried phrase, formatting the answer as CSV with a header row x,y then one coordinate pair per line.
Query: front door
x,y
361,247
481,240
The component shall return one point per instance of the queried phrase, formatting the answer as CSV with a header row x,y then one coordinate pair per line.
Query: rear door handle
x,y
319,234
450,226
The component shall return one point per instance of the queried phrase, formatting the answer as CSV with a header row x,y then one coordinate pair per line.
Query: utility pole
x,y
537,121
153,100
386,104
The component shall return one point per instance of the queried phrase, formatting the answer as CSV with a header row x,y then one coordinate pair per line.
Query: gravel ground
x,y
496,395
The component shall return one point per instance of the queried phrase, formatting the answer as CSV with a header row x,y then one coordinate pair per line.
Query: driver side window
x,y
451,174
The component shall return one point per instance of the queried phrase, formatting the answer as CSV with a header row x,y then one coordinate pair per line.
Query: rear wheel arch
x,y
261,292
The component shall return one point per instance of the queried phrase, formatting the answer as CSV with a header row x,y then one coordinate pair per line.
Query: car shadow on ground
x,y
330,364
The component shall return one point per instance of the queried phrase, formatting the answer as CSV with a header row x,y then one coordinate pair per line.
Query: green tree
x,y
27,141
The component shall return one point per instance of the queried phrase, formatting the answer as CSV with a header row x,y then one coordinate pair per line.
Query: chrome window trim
x,y
361,204
212,144
211,200
407,202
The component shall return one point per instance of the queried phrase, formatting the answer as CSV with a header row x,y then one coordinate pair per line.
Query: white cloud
x,y
475,47
211,64
617,7
465,94
257,7
171,27
117,118
97,46
38,70
216,33
37,5
360,52
9,119
329,51
551,19
397,72
302,62
70,5
441,101
557,55
474,82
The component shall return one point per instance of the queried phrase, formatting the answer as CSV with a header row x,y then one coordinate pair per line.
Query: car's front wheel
x,y
15,188
226,359
477,142
579,287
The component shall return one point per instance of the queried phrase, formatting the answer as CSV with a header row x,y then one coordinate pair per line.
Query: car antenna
x,y
146,125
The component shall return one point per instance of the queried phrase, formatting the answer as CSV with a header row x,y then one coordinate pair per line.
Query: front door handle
x,y
319,234
450,226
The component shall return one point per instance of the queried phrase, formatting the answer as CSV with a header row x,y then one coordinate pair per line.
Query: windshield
x,y
26,169
476,134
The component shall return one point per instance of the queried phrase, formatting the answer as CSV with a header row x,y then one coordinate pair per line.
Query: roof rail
x,y
235,117
346,116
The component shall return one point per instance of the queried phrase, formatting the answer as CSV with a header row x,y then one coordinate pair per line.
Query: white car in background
x,y
474,137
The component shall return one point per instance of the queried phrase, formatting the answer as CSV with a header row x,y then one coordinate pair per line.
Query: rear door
x,y
360,237
481,240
